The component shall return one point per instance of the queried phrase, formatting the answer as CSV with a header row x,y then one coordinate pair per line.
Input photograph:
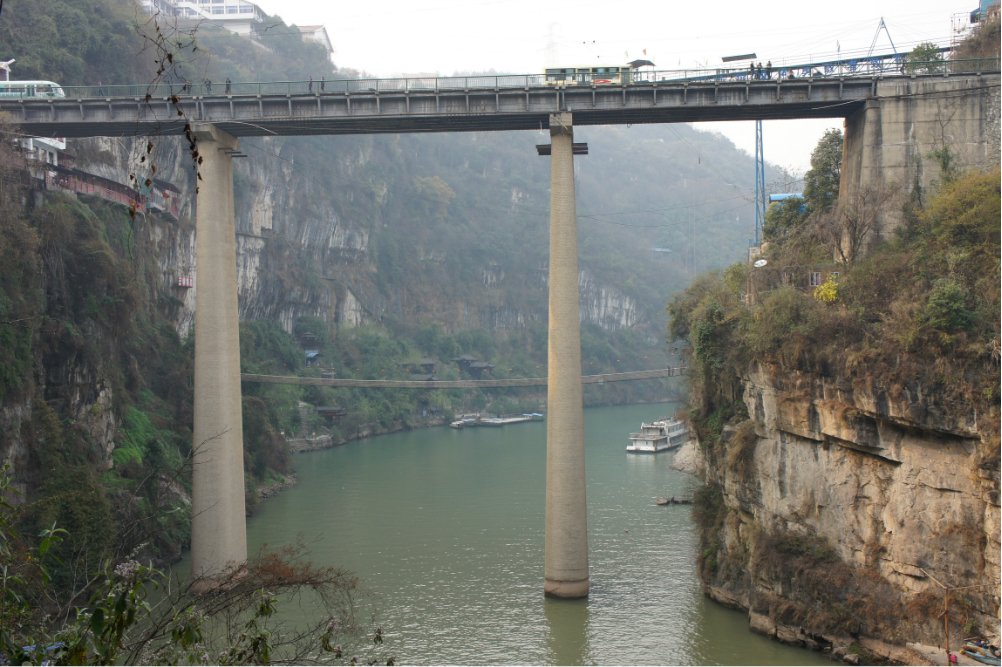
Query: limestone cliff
x,y
873,492
312,244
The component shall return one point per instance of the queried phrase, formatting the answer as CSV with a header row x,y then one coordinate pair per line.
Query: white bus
x,y
586,75
30,90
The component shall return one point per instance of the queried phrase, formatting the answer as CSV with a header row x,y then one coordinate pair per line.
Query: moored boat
x,y
674,501
658,436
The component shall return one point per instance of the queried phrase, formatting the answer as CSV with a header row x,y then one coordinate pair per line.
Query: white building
x,y
237,16
318,34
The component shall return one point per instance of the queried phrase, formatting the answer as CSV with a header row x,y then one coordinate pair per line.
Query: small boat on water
x,y
501,420
658,436
674,501
983,654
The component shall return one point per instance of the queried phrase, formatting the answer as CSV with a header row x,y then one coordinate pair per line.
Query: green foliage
x,y
264,448
821,182
946,308
74,499
784,217
266,348
925,59
932,293
289,57
312,325
947,162
73,42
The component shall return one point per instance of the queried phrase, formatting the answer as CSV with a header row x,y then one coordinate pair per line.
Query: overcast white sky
x,y
390,37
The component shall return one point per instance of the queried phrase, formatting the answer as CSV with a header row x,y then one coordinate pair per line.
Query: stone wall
x,y
888,142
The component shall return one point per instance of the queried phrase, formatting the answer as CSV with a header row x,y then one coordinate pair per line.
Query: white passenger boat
x,y
658,436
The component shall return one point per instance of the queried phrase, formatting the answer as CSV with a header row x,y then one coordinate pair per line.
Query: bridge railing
x,y
895,64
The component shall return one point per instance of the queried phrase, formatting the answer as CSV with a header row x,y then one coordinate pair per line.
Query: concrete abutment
x,y
889,141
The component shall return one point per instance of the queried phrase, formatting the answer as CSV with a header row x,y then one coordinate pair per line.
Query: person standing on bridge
x,y
310,86
208,87
322,81
751,70
768,69
228,84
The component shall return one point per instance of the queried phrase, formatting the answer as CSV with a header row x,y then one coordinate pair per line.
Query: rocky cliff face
x,y
306,250
900,485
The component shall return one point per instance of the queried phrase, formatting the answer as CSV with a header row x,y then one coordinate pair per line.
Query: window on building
x,y
217,10
786,279
231,10
815,279
833,275
246,9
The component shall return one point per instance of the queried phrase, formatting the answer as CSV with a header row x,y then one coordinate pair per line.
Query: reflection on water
x,y
567,632
446,528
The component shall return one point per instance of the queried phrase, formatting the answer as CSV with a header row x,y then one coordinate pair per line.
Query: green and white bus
x,y
587,75
35,90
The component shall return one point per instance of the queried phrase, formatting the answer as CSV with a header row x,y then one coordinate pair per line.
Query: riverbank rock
x,y
689,459
268,490
297,445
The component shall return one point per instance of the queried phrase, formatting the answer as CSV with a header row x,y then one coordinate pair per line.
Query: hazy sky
x,y
390,37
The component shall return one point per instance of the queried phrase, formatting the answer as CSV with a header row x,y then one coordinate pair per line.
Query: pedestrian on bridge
x,y
751,70
322,81
310,87
768,70
208,86
228,84
758,71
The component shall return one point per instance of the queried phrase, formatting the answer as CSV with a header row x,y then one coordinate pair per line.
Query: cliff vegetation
x,y
846,399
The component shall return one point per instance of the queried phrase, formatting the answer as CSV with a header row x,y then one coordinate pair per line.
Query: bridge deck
x,y
457,384
451,109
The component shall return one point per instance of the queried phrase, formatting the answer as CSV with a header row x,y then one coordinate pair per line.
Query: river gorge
x,y
445,529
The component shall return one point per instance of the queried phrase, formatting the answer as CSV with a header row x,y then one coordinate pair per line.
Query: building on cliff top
x,y
238,16
477,369
426,365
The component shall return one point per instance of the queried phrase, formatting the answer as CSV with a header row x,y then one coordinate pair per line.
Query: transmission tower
x,y
881,26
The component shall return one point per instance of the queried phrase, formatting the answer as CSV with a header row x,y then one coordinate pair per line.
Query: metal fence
x,y
857,67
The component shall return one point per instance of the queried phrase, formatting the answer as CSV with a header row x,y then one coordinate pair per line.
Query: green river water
x,y
445,527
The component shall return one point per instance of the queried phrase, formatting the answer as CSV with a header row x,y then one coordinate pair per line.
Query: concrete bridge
x,y
460,104
893,120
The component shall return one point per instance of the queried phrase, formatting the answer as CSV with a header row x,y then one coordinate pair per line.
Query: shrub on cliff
x,y
931,292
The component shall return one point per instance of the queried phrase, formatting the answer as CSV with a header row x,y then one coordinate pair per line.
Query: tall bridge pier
x,y
218,524
566,569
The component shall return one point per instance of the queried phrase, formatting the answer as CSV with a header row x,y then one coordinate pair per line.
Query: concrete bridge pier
x,y
218,524
566,569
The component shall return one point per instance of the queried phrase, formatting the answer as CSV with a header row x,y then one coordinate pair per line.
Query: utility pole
x,y
759,180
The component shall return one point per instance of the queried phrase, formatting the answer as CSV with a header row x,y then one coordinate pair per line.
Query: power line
x,y
670,224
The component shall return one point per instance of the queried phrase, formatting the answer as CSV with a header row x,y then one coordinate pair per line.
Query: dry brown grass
x,y
823,593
